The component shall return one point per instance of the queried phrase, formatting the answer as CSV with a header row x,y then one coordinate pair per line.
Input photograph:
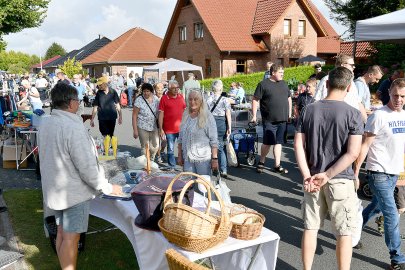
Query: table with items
x,y
150,245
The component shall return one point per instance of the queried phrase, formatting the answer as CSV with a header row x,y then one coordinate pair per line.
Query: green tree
x,y
348,12
17,61
54,50
71,67
15,15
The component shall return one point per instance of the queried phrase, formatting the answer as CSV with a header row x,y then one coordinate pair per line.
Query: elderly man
x,y
275,107
81,90
191,83
171,108
352,97
383,144
372,76
328,180
71,175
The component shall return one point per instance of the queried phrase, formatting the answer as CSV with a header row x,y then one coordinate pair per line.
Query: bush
x,y
293,76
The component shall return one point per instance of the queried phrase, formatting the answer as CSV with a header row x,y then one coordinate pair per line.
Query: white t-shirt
x,y
352,98
386,153
41,83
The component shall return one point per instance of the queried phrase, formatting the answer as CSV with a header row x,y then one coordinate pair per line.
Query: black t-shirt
x,y
106,104
303,100
327,125
273,98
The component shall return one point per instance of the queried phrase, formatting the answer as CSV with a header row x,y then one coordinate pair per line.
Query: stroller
x,y
245,141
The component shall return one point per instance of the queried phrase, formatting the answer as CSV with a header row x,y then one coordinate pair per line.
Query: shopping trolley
x,y
245,142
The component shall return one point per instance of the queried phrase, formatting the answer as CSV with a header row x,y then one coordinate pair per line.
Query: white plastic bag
x,y
223,191
231,155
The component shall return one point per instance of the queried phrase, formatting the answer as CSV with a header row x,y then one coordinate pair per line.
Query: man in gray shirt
x,y
327,142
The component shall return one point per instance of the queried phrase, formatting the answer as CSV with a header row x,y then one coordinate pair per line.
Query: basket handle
x,y
224,215
205,184
168,196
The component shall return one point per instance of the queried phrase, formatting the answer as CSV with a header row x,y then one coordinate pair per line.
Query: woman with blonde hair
x,y
198,139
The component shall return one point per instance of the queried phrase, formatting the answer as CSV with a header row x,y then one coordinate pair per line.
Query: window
x,y
198,31
207,67
240,66
301,28
287,27
182,33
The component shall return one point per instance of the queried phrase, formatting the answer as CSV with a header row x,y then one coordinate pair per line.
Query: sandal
x,y
280,169
260,167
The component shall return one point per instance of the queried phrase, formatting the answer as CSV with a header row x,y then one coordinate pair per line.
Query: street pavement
x,y
277,197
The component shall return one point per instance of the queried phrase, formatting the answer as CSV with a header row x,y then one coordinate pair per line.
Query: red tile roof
x,y
45,62
235,25
330,43
230,23
134,46
363,49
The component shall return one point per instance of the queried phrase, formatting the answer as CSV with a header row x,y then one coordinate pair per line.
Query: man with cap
x,y
107,107
191,83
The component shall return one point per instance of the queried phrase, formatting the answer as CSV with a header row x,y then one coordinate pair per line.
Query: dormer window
x,y
287,27
182,33
198,31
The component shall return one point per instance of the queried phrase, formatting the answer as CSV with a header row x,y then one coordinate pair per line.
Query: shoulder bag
x,y
157,120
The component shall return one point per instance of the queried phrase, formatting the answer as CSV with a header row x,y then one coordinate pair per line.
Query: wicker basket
x,y
176,261
189,228
246,225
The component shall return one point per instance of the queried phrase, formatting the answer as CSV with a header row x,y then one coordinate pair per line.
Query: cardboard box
x,y
11,164
9,152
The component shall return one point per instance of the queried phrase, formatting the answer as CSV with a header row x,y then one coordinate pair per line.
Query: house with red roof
x,y
37,67
239,36
135,48
364,50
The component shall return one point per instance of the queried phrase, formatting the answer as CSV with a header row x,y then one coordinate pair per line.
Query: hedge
x,y
293,76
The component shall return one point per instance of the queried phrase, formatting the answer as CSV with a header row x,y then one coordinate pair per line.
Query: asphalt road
x,y
277,197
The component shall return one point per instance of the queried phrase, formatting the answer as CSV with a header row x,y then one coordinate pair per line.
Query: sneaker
x,y
224,175
380,224
159,160
397,266
3,209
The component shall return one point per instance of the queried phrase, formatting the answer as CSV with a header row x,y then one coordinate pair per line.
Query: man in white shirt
x,y
352,97
372,76
383,144
40,84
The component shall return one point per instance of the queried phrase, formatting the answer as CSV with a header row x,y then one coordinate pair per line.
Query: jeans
x,y
171,138
221,130
130,93
382,185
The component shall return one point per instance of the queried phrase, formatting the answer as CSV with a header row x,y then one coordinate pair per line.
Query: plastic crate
x,y
50,224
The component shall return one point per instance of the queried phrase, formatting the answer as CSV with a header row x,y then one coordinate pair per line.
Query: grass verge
x,y
107,250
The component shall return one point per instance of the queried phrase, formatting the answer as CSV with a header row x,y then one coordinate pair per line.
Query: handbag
x,y
157,120
148,197
231,155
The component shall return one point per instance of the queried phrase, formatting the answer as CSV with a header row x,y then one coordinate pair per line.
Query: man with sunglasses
x,y
352,97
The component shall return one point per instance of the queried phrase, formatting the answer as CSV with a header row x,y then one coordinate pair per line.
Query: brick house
x,y
239,36
135,48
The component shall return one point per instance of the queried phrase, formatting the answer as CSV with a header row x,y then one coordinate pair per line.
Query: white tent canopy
x,y
172,64
388,27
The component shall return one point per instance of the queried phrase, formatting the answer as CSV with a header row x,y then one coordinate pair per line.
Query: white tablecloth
x,y
150,246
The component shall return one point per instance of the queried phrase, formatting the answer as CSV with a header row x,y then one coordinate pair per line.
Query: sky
x,y
75,23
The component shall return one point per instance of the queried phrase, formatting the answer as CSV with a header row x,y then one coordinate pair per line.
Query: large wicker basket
x,y
246,225
189,228
176,261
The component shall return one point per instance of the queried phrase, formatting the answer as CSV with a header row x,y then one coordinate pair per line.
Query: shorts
x,y
107,127
399,196
274,132
339,198
74,219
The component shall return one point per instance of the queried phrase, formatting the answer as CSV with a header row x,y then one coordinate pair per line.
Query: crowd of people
x,y
338,126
